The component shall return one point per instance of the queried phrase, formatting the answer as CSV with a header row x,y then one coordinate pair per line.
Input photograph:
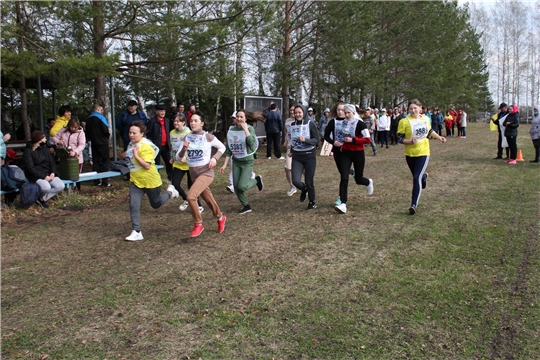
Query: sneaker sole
x,y
291,193
198,233
244,212
338,210
412,211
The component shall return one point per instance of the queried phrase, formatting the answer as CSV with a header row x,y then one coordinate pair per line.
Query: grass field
x,y
458,280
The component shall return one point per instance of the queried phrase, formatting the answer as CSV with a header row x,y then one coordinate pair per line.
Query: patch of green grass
x,y
458,280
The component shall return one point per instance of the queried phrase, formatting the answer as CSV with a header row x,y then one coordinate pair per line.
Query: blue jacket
x,y
274,122
125,119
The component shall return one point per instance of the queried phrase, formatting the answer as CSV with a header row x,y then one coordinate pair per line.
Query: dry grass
x,y
458,280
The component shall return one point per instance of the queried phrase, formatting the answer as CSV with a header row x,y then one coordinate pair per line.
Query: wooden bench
x,y
69,184
94,176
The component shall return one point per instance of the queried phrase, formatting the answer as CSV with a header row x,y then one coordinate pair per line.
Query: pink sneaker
x,y
197,230
512,162
507,160
221,224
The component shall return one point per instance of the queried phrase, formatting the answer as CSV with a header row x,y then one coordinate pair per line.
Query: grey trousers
x,y
135,197
50,188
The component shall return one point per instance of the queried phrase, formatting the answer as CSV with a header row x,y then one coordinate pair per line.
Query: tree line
x,y
378,54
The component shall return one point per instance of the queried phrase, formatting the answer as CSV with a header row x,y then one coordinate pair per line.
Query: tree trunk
x,y
285,89
22,83
100,89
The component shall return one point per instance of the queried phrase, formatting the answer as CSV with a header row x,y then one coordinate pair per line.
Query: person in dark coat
x,y
511,124
273,126
158,132
40,167
97,132
126,118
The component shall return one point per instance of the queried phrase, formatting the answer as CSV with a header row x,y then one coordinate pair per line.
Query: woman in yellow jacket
x,y
64,115
414,132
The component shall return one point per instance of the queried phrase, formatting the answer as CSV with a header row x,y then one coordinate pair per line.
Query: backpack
x,y
30,193
12,177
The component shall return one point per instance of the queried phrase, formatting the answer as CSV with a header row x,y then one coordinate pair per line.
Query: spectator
x,y
498,120
323,122
448,124
311,114
47,130
97,132
383,126
158,132
40,168
73,139
63,117
511,124
273,127
535,133
126,118
369,120
437,120
3,140
463,124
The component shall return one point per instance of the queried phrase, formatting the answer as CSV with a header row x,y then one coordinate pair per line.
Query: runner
x,y
413,132
304,138
241,146
144,177
350,135
197,147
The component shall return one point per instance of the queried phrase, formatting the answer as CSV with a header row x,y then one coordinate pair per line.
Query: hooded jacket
x,y
535,126
313,140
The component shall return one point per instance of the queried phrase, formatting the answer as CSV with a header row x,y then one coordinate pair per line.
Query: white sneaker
x,y
281,158
253,175
184,205
230,188
370,187
201,209
341,208
173,191
292,191
135,236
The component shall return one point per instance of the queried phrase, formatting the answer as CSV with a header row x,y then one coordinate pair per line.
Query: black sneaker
x,y
245,210
303,195
260,184
497,158
311,205
42,203
424,181
412,210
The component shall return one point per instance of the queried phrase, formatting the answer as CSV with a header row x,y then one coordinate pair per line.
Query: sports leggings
x,y
418,166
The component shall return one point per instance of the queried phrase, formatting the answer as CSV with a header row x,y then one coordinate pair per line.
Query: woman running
x,y
350,135
242,145
304,138
413,132
144,177
197,148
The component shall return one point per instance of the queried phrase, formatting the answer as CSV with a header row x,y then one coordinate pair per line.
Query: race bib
x,y
420,128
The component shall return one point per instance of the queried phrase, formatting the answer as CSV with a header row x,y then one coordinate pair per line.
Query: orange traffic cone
x,y
520,156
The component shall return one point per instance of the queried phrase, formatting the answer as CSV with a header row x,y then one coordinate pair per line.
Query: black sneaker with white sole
x,y
311,205
245,210
260,184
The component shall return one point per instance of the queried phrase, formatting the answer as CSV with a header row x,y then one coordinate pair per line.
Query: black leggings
x,y
304,162
346,159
